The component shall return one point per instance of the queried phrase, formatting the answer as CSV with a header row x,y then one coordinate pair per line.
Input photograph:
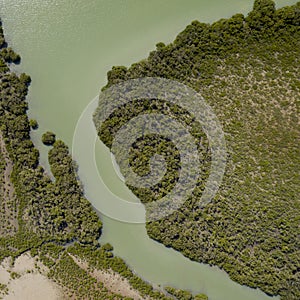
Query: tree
x,y
48,138
33,124
262,15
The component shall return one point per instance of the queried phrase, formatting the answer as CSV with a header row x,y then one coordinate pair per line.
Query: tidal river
x,y
67,47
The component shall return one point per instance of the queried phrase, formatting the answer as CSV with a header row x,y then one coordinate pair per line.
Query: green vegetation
x,y
3,289
9,55
80,281
48,138
247,69
33,124
8,207
143,149
46,210
184,295
102,258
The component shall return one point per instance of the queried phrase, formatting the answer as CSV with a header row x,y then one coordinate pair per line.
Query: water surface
x,y
67,47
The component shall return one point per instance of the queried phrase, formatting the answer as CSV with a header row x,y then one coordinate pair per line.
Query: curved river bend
x,y
67,47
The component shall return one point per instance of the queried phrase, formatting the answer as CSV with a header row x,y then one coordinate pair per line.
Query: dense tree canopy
x,y
48,138
247,69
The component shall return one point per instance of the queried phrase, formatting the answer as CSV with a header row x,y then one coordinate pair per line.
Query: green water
x,y
67,46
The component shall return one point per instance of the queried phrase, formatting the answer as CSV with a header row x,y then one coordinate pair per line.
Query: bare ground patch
x,y
24,280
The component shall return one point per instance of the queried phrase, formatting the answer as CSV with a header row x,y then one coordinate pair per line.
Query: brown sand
x,y
30,283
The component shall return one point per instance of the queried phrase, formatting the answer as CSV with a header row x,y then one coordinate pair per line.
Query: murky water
x,y
67,47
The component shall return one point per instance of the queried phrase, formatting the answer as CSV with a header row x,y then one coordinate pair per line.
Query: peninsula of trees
x,y
247,68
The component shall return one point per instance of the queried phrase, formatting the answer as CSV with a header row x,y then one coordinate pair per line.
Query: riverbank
x,y
53,88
